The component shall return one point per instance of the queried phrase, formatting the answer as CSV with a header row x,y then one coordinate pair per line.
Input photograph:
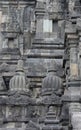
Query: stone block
x,y
74,69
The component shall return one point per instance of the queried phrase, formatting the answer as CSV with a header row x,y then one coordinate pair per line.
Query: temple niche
x,y
50,20
10,29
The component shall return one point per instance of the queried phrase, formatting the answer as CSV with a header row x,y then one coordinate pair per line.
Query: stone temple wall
x,y
40,64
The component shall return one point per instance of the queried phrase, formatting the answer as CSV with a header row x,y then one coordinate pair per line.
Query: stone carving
x,y
2,84
2,116
22,98
5,43
31,125
65,113
55,6
4,67
18,82
13,22
30,99
51,122
53,3
28,17
52,83
52,88
19,93
2,111
77,4
14,113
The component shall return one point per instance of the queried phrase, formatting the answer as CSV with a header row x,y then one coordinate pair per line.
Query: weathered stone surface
x,y
40,33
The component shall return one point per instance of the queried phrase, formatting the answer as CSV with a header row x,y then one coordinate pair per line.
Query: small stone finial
x,y
52,66
20,66
52,112
51,122
51,109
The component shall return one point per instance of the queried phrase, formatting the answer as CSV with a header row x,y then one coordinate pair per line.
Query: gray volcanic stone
x,y
40,64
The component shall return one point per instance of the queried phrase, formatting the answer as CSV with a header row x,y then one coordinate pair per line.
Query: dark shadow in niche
x,y
10,42
55,26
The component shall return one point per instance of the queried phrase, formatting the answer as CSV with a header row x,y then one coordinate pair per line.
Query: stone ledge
x,y
12,129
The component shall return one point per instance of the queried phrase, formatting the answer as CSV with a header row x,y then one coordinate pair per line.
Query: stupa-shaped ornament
x,y
18,81
51,83
51,121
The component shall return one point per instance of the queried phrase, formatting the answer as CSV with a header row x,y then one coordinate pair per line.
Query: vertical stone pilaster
x,y
75,112
79,54
73,61
73,84
72,39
